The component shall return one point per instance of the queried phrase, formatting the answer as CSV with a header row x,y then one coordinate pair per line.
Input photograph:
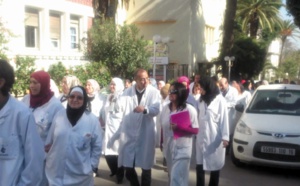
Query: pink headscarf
x,y
184,79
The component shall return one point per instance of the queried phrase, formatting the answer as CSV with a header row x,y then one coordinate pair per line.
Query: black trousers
x,y
112,162
132,177
214,177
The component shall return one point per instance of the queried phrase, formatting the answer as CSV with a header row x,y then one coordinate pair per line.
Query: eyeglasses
x,y
173,92
77,97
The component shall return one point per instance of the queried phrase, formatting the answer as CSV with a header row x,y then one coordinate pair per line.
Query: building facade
x,y
193,26
47,30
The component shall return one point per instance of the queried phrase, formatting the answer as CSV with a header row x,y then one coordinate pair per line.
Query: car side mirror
x,y
239,107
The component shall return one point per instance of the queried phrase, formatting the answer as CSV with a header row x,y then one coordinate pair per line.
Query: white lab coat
x,y
65,102
159,126
21,149
178,152
213,128
231,99
97,104
75,150
243,99
113,119
44,114
137,137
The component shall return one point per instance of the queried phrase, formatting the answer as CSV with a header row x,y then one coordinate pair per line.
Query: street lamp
x,y
229,64
157,39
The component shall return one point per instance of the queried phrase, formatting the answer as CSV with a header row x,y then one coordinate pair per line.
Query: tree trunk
x,y
283,39
228,37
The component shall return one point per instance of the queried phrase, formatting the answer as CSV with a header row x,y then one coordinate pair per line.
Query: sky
x,y
285,16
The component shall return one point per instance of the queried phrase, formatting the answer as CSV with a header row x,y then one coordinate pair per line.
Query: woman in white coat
x,y
67,83
21,148
213,133
113,119
92,88
178,151
42,102
74,143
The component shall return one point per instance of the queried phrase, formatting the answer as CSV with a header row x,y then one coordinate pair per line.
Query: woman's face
x,y
89,88
112,87
65,87
75,100
172,94
35,86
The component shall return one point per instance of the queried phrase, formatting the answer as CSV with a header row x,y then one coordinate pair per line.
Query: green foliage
x,y
293,7
24,67
249,58
5,35
91,71
119,48
255,14
57,72
290,65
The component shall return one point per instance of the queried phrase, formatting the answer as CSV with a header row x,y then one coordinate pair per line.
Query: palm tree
x,y
256,14
288,29
106,9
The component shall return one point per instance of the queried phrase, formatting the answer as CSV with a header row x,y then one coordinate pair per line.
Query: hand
x,y
173,126
47,147
110,143
139,109
225,143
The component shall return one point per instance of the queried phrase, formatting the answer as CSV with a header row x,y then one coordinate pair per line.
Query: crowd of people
x,y
51,139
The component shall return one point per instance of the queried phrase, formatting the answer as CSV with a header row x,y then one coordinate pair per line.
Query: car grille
x,y
277,157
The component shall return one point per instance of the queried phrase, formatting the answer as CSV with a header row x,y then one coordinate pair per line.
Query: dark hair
x,y
210,88
7,73
140,70
182,95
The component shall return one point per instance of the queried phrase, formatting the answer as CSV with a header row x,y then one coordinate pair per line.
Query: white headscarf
x,y
119,85
95,86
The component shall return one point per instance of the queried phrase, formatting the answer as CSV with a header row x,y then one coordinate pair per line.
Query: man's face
x,y
223,86
197,78
142,80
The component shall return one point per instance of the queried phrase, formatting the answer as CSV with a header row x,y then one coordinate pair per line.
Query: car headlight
x,y
243,128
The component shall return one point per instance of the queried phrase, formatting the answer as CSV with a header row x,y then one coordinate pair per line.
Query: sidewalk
x,y
159,176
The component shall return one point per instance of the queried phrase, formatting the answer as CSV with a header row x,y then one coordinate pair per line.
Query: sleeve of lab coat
x,y
153,108
224,122
96,144
34,153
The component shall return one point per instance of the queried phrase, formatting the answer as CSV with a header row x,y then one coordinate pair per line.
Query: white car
x,y
268,131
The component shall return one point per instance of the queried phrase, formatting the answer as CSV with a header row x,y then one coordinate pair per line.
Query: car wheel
x,y
234,160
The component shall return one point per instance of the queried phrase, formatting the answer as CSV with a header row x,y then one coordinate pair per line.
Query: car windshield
x,y
285,102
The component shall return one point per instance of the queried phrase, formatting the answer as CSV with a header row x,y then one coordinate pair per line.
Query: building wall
x,y
14,14
185,22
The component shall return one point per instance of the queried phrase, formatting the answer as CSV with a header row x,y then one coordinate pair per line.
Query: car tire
x,y
234,160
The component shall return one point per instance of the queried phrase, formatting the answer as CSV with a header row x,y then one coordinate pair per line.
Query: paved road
x,y
230,175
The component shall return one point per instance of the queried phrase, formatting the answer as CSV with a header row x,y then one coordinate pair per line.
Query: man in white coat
x,y
21,148
231,96
141,104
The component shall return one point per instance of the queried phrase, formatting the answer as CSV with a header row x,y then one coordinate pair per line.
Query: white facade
x,y
48,30
194,27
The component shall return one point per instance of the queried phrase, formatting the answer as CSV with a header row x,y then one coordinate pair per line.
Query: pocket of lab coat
x,y
9,147
84,142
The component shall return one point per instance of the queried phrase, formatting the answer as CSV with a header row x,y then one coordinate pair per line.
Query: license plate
x,y
278,150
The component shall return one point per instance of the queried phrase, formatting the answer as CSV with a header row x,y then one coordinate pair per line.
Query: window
x,y
55,30
74,32
209,34
31,28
